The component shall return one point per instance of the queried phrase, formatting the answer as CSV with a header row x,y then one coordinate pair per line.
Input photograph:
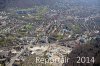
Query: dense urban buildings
x,y
49,33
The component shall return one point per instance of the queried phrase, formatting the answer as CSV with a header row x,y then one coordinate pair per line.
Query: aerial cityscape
x,y
49,33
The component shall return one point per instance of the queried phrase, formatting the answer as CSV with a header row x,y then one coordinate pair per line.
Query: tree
x,y
88,50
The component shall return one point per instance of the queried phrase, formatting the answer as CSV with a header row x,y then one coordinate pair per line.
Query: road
x,y
21,52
